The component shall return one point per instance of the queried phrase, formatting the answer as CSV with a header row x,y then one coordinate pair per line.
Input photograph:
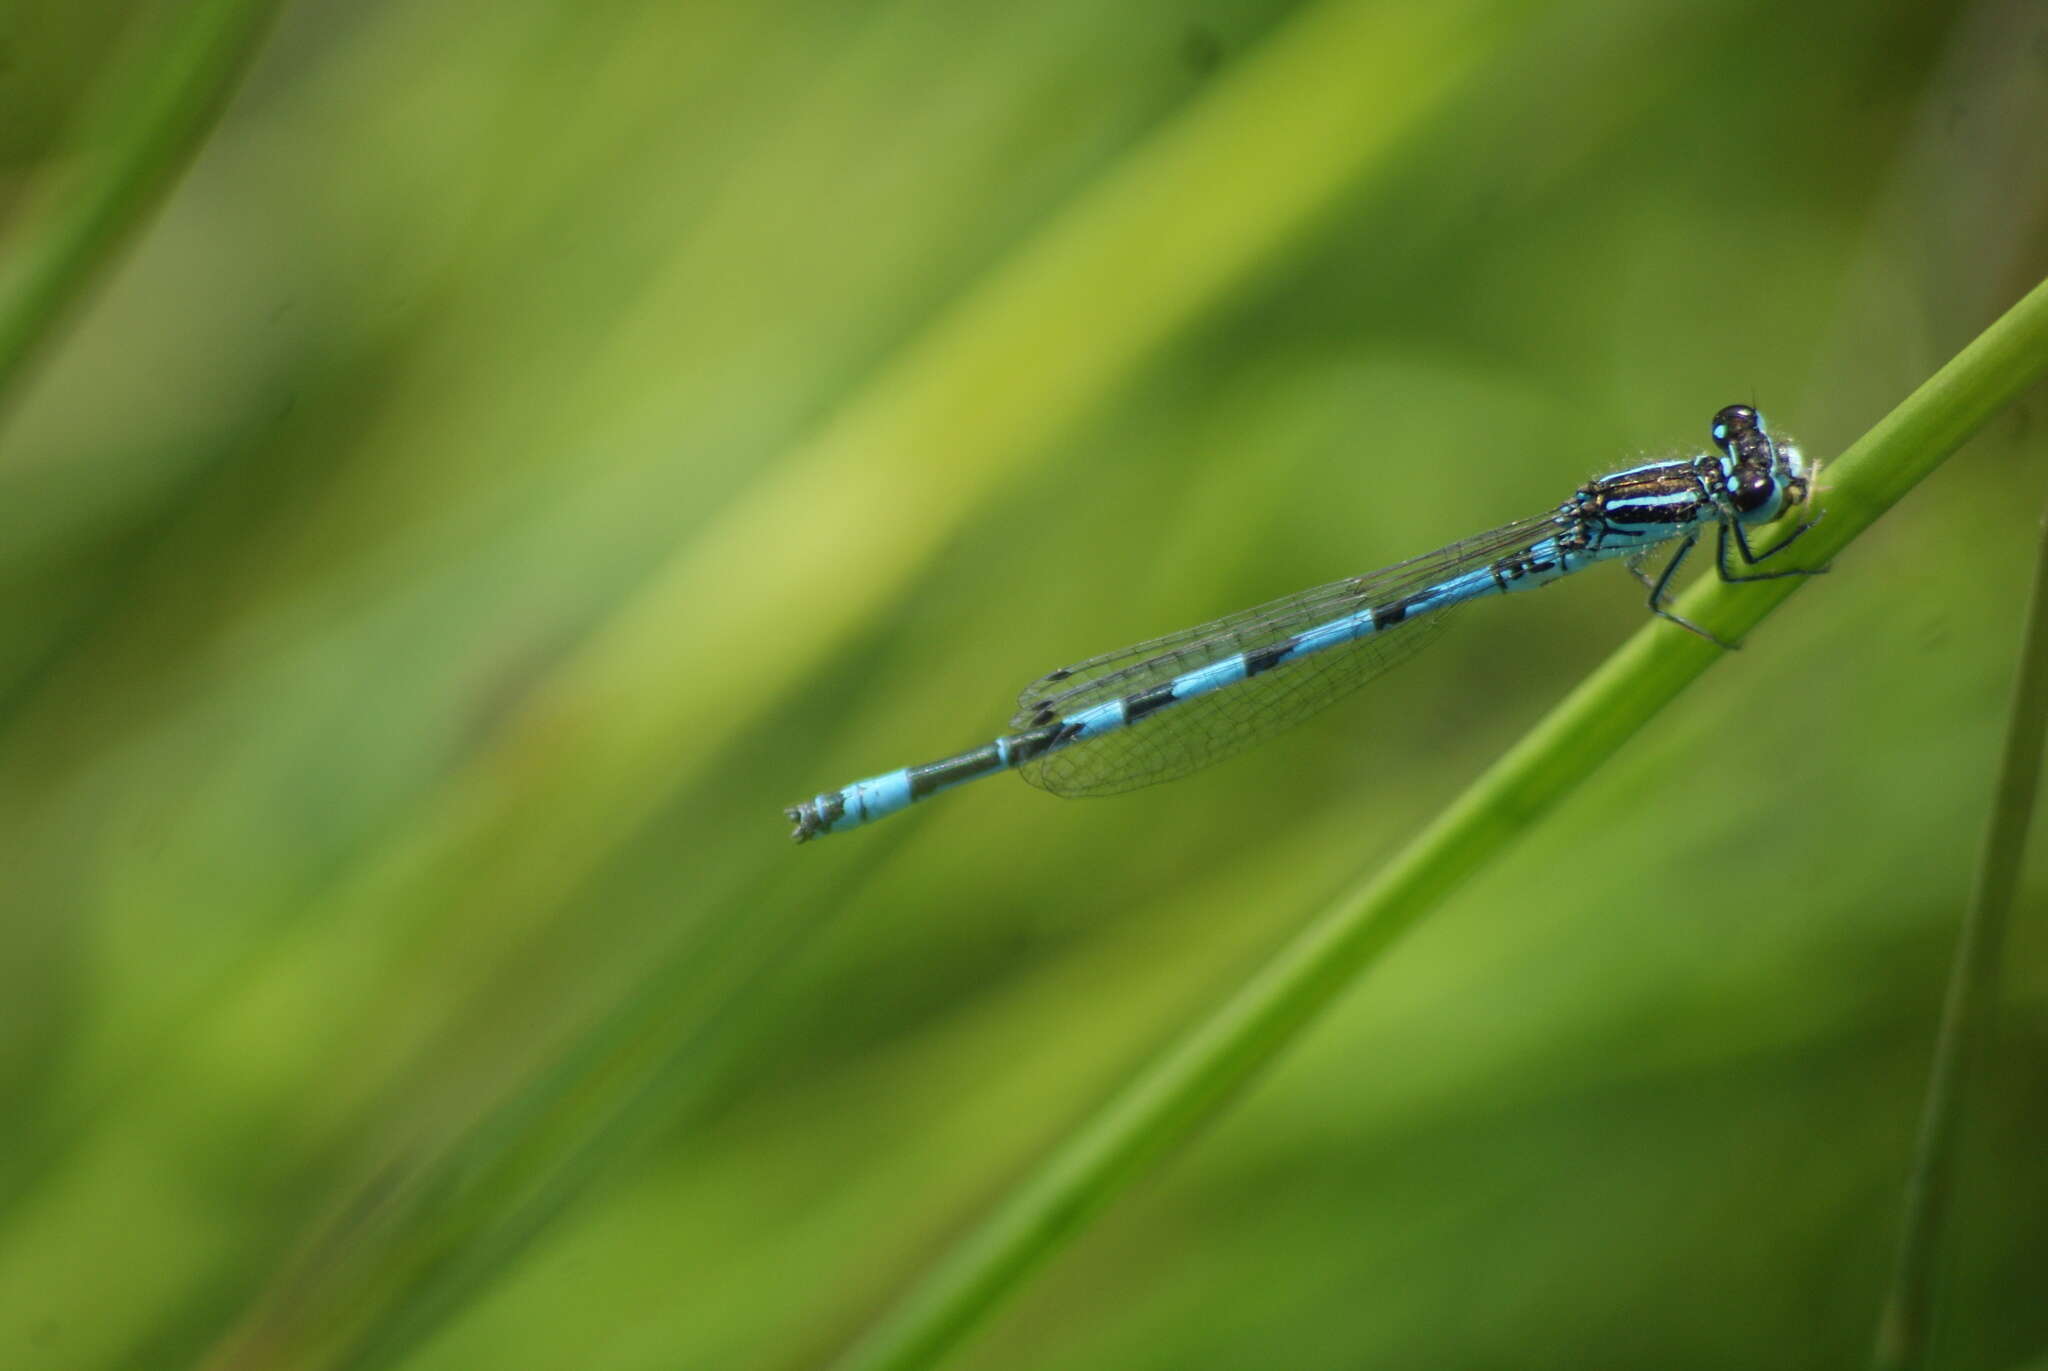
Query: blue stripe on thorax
x,y
1646,468
1675,499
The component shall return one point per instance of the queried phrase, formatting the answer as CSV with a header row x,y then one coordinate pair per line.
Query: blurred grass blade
x,y
157,105
1160,238
1183,1087
1904,1333
882,484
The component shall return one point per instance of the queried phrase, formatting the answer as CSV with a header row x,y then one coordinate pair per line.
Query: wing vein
x,y
1193,733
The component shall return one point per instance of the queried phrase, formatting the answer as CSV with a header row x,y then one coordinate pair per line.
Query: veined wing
x,y
1193,733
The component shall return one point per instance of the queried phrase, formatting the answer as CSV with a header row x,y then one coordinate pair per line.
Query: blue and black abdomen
x,y
1166,707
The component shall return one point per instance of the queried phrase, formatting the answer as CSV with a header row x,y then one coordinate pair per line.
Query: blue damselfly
x,y
1164,708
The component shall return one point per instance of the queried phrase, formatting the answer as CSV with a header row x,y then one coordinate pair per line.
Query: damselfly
x,y
1164,708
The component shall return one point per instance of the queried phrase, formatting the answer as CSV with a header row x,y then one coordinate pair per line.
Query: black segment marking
x,y
936,776
1145,702
1266,658
1386,616
1025,746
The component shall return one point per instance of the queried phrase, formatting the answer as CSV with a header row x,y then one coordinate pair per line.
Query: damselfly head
x,y
1766,475
1732,425
1739,433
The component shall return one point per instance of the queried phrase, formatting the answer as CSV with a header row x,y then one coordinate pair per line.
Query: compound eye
x,y
1732,423
1753,490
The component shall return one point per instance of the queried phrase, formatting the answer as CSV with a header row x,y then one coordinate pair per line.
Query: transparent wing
x,y
1188,736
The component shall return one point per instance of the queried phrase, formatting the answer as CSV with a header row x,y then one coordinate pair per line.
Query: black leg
x,y
1663,582
1657,587
1751,557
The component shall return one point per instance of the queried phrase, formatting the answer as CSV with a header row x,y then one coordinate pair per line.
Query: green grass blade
x,y
1904,1333
162,101
1128,1136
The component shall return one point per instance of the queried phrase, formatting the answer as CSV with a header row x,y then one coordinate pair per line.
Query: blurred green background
x,y
535,442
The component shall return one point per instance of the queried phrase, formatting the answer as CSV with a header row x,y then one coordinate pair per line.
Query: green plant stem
x,y
1903,1335
159,102
1185,1085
